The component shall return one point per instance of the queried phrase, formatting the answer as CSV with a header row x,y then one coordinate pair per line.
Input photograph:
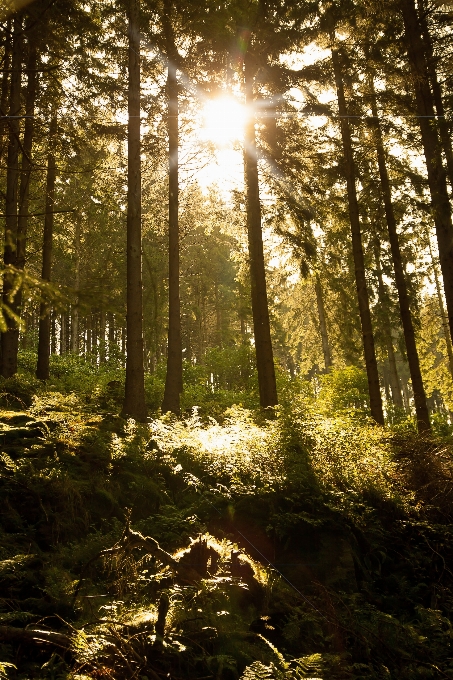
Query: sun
x,y
223,121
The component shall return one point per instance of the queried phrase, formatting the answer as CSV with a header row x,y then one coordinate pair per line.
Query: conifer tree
x,y
134,405
357,248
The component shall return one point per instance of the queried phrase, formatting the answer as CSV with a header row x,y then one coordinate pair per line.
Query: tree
x,y
421,407
42,368
432,148
260,307
134,405
173,380
362,293
8,338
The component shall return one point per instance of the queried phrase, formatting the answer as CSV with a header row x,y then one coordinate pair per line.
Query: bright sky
x,y
221,125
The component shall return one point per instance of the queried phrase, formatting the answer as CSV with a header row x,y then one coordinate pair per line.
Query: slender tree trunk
x,y
88,333
134,399
111,323
385,372
421,407
323,324
443,315
9,357
437,93
10,339
260,309
42,368
393,372
357,248
68,330
173,380
123,340
437,178
4,92
53,332
75,345
102,336
94,334
218,315
406,396
62,334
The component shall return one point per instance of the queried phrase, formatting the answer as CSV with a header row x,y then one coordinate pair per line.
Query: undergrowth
x,y
310,544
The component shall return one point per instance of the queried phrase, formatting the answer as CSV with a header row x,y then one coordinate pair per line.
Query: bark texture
x,y
10,339
260,308
134,399
42,368
9,359
173,380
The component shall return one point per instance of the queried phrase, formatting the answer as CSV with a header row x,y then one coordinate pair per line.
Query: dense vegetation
x,y
226,322
313,544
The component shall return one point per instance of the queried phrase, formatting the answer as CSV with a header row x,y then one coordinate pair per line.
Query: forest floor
x,y
297,546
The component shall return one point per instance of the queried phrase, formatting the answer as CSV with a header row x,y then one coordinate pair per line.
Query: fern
x,y
307,667
4,666
258,671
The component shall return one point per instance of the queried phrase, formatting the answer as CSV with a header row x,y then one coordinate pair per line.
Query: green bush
x,y
344,391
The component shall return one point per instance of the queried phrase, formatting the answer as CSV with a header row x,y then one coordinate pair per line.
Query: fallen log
x,y
14,635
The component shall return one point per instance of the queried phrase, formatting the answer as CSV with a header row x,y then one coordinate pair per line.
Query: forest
x,y
226,327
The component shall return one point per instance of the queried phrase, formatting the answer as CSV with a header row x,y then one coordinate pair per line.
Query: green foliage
x,y
18,391
356,518
344,391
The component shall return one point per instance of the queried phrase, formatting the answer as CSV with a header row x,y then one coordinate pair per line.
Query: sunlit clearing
x,y
223,121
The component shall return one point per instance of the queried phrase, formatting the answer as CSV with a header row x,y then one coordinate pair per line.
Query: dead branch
x,y
13,635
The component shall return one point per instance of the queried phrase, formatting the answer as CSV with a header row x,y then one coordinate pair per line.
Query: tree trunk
x,y
123,340
75,344
10,339
421,407
42,368
173,380
260,309
111,323
442,310
94,334
88,333
62,334
53,332
437,178
322,324
357,248
218,315
437,93
134,399
5,85
393,372
102,336
9,357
